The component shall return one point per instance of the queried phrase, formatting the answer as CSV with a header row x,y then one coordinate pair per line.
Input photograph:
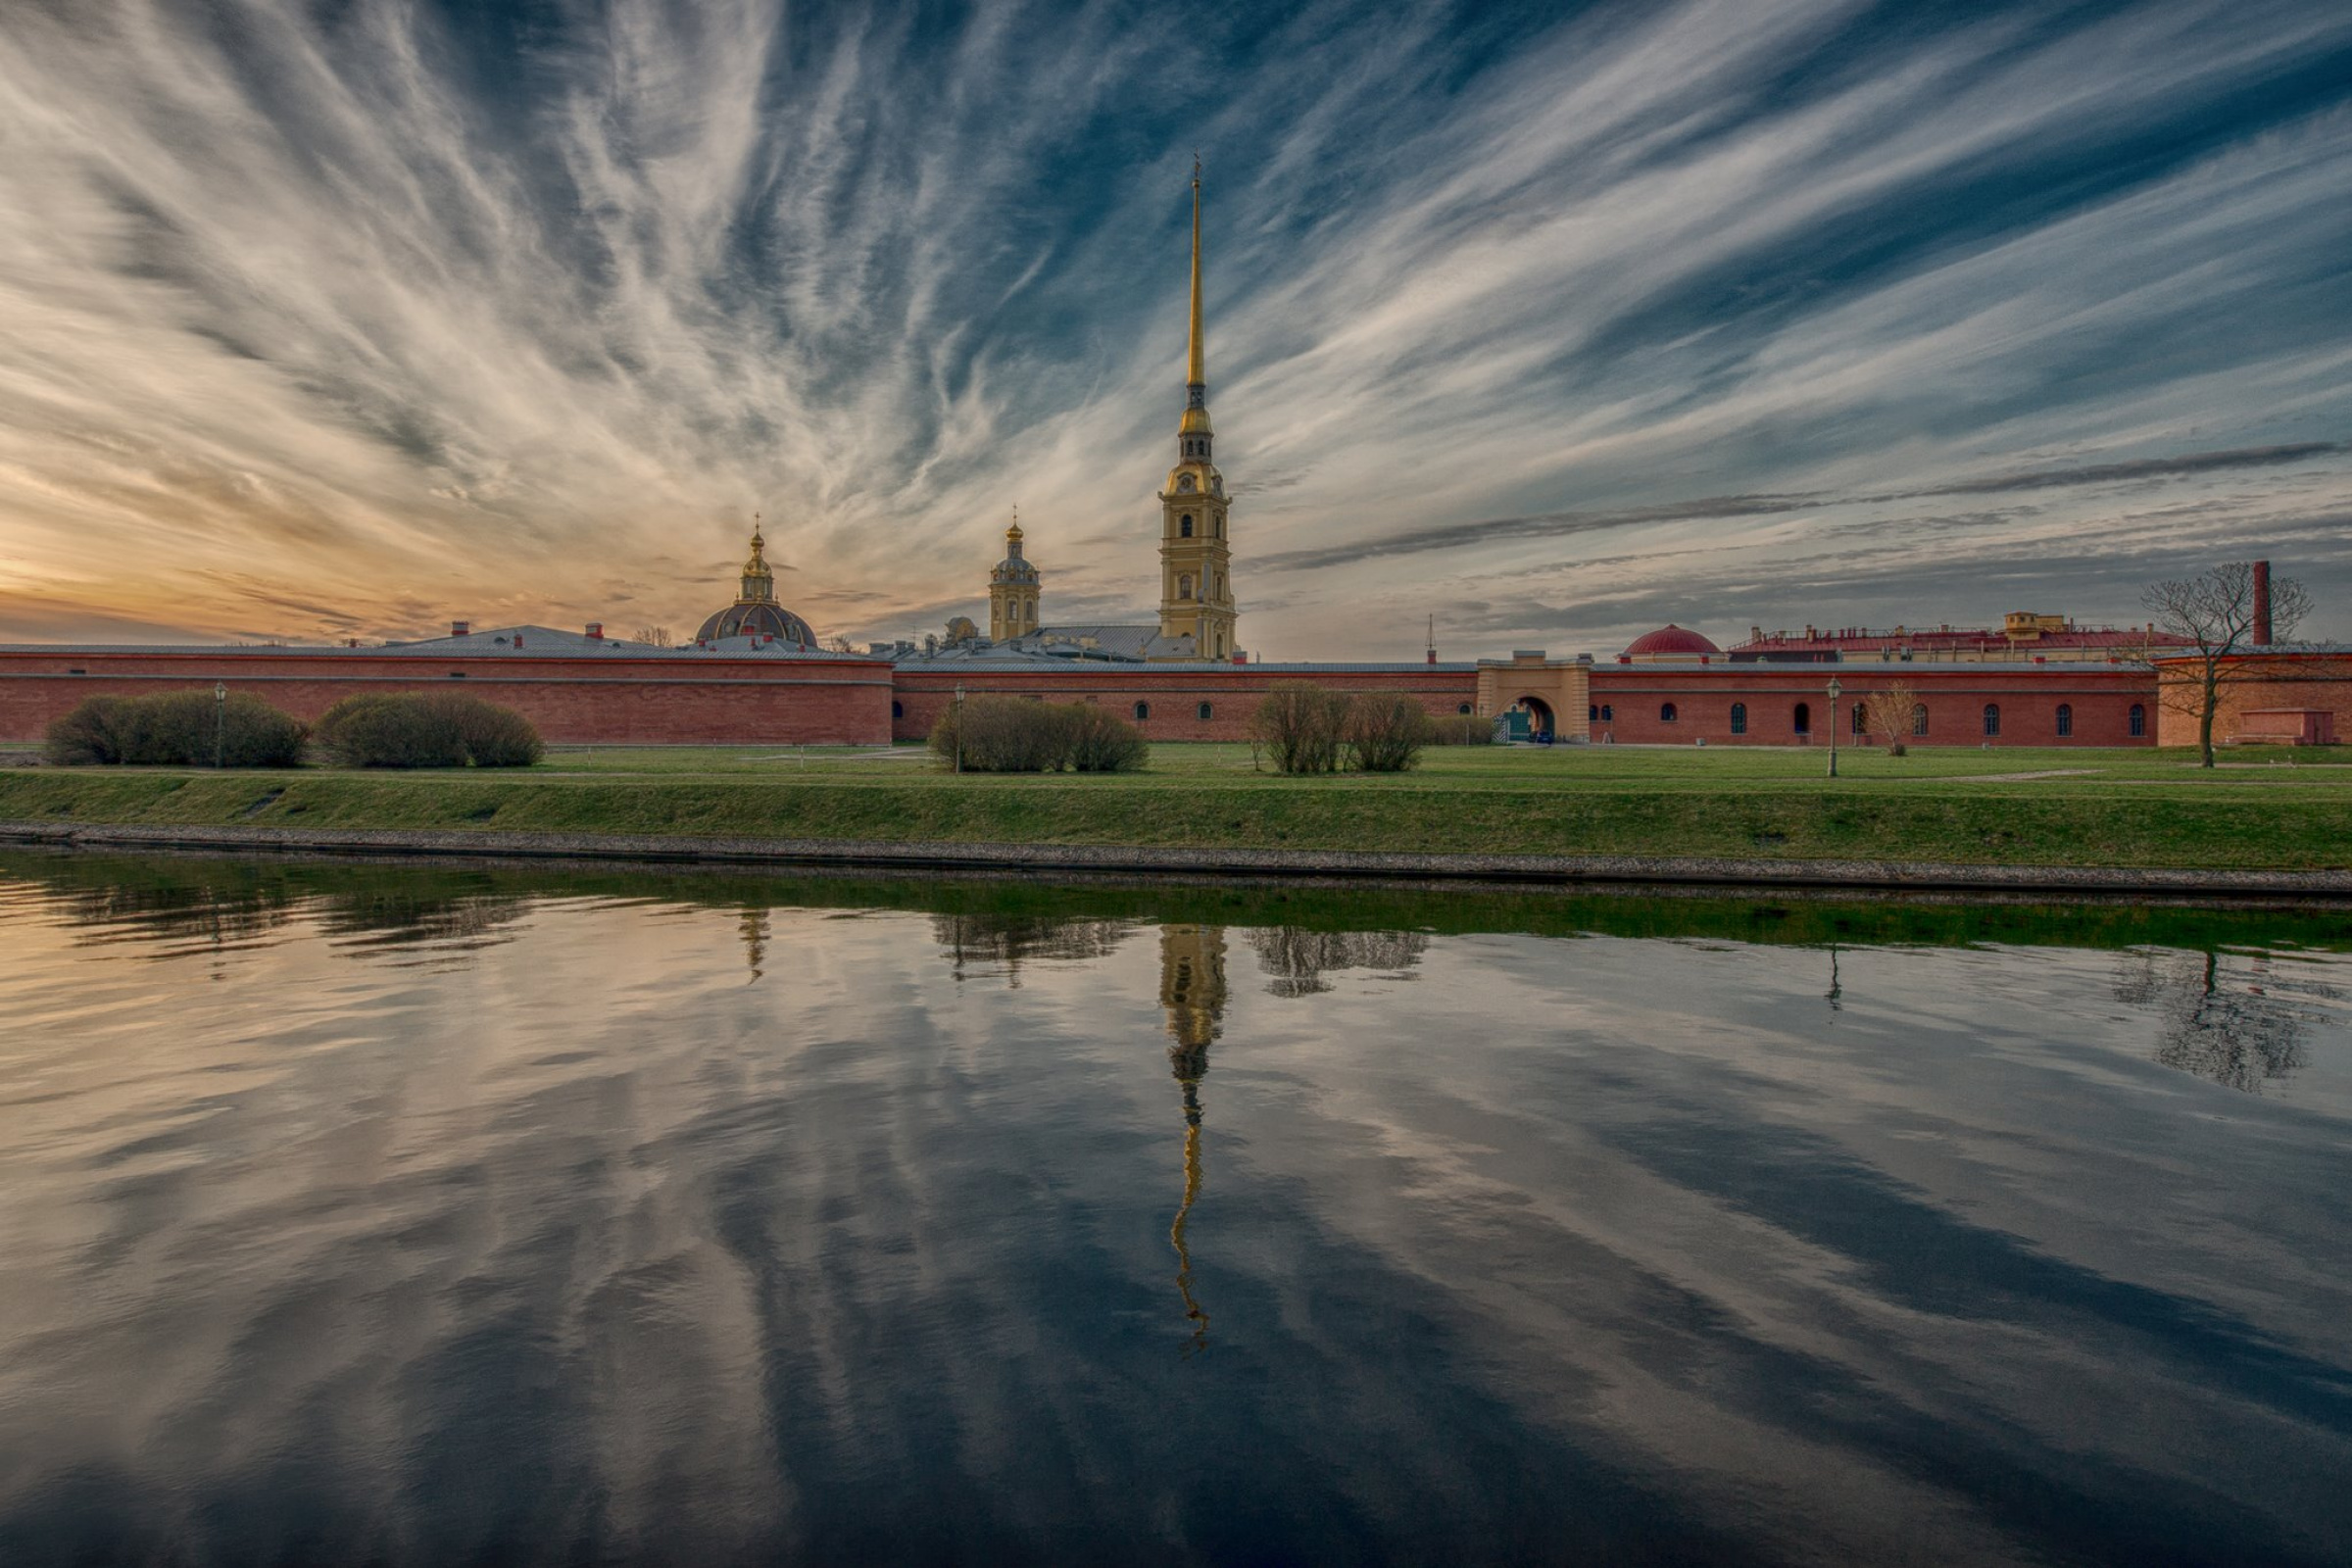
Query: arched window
x,y
1142,710
1993,720
2139,720
2066,719
1609,714
1738,718
1221,527
1184,586
1594,716
1464,710
1802,718
1861,719
1665,712
1919,718
1183,527
1205,713
898,709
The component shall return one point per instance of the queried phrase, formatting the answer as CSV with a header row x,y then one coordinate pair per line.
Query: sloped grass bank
x,y
2146,826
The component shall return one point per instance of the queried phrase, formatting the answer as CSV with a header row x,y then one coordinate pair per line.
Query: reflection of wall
x,y
1294,961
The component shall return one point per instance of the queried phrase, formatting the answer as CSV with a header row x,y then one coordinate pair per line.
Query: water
x,y
431,1216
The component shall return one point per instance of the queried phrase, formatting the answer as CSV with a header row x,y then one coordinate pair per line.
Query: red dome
x,y
1669,639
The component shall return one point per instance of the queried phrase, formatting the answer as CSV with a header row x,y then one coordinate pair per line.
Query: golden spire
x,y
1195,372
759,579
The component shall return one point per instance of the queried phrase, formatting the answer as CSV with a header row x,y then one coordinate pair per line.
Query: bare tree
x,y
2214,614
1384,732
1887,711
1299,723
653,636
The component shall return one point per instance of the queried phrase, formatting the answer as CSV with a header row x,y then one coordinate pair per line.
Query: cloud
x,y
339,321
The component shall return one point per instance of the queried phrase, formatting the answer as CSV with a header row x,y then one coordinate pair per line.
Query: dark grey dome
x,y
756,619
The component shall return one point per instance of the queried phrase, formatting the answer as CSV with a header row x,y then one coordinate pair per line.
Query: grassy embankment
x,y
2014,806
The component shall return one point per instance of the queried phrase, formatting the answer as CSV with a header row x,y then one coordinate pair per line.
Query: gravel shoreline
x,y
1256,864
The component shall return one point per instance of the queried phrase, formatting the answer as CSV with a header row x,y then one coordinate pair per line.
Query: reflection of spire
x,y
1191,988
754,940
1835,991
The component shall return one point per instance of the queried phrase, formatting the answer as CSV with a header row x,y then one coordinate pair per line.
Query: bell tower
x,y
1195,585
1012,591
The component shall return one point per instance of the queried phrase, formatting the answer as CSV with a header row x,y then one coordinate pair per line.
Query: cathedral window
x,y
1183,527
1993,720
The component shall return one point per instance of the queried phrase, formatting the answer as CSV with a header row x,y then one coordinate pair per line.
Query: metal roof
x,y
525,642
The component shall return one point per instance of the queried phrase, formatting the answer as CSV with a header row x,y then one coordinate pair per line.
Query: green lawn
x,y
2281,809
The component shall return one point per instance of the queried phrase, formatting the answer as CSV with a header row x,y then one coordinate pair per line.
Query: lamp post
x,y
959,726
220,718
1834,689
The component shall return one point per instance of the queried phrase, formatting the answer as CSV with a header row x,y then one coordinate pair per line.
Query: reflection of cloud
x,y
345,320
862,1260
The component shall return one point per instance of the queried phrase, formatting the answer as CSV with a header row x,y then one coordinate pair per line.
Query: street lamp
x,y
959,726
1834,689
220,718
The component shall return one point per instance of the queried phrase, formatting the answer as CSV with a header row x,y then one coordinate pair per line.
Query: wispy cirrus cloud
x,y
338,323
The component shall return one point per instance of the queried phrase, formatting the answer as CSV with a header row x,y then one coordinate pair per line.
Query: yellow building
x,y
1012,591
1195,580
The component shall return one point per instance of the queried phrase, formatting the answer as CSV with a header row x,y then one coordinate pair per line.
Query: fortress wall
x,y
660,700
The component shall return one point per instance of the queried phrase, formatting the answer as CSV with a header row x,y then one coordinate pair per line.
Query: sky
x,y
349,318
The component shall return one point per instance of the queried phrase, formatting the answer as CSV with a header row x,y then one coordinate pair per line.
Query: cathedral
x,y
1197,616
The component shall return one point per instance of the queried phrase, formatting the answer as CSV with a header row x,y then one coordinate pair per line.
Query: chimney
x,y
518,639
596,631
461,628
2262,604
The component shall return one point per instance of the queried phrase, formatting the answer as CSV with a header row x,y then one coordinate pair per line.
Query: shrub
x,y
1101,742
998,734
437,729
494,736
1299,723
188,729
1461,729
88,736
1385,731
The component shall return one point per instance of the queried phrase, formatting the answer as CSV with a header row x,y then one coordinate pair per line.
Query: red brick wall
x,y
1175,695
659,700
2294,680
1955,695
